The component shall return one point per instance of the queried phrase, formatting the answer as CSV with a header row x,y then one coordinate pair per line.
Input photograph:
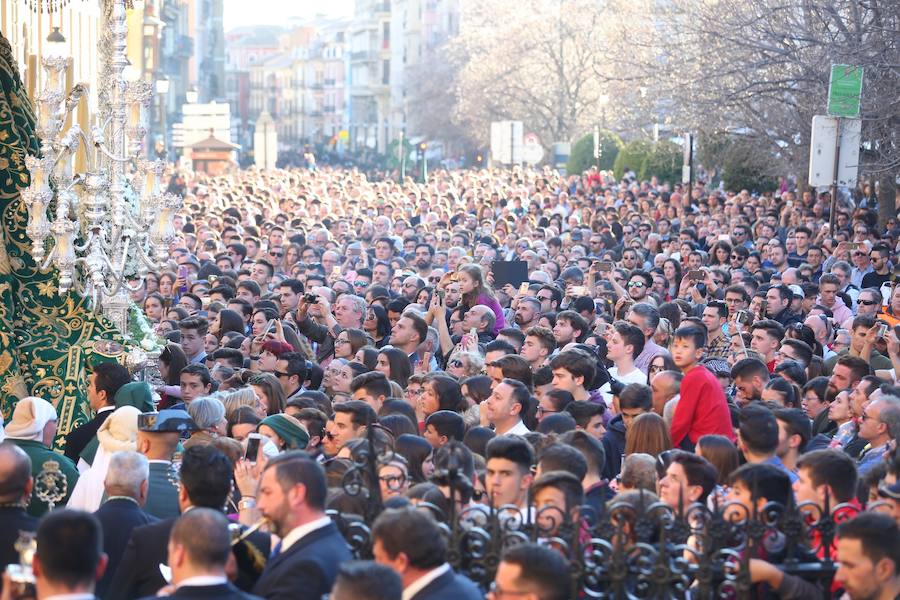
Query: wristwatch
x,y
247,503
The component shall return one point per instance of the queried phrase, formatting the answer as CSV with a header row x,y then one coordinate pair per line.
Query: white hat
x,y
30,417
118,433
797,291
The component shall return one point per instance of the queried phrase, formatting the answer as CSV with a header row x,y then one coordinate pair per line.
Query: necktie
x,y
276,550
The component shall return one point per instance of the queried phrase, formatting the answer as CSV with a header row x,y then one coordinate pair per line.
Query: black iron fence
x,y
637,547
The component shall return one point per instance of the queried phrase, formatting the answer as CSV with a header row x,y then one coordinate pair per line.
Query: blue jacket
x,y
306,570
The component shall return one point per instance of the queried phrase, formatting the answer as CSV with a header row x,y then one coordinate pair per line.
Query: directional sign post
x,y
845,91
844,98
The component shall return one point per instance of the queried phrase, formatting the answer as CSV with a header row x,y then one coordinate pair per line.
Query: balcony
x,y
362,56
382,7
184,47
316,113
330,82
328,110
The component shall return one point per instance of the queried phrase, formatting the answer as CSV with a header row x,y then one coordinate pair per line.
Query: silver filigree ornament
x,y
111,221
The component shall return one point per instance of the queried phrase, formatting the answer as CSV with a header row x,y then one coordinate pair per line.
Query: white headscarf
x,y
29,418
118,433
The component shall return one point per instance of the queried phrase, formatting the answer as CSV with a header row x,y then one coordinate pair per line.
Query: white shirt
x,y
203,580
517,429
419,584
81,596
298,533
635,376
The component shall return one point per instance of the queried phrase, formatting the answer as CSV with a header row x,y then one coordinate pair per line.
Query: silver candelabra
x,y
111,222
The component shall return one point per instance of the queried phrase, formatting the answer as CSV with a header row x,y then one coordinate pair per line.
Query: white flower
x,y
148,343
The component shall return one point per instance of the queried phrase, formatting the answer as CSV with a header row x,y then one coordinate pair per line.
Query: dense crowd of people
x,y
561,341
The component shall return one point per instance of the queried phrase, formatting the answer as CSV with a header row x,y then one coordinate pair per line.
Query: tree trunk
x,y
887,198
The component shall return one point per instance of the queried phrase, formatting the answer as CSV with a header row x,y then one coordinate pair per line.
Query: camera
x,y
310,298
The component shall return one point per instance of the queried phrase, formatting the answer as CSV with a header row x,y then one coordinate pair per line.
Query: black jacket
x,y
450,586
118,517
138,573
787,318
79,438
306,570
614,447
225,591
12,521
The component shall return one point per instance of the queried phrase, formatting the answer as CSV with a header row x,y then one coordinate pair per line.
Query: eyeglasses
x,y
276,254
541,411
281,374
868,302
341,341
394,482
543,298
637,284
736,257
414,391
455,363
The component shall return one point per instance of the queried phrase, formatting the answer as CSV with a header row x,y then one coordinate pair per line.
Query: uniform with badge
x,y
33,425
162,488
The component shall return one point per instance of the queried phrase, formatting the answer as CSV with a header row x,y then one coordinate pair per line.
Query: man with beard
x,y
304,564
528,313
424,259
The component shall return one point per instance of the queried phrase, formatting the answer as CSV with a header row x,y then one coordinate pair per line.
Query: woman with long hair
x,y
154,307
394,363
660,363
367,355
840,412
417,452
441,392
171,361
475,291
227,320
348,342
269,391
649,434
377,325
167,284
720,255
723,455
782,392
672,273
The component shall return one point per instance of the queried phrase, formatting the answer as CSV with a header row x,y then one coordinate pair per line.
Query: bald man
x,y
16,484
666,386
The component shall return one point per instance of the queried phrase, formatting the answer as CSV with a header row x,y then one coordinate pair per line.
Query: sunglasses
x,y
278,254
868,302
455,363
636,284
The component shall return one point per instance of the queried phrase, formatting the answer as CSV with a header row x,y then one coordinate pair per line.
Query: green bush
x,y
746,165
632,155
664,161
582,157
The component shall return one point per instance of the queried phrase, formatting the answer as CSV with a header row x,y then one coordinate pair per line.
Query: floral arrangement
x,y
141,332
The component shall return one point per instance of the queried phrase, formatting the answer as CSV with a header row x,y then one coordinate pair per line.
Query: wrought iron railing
x,y
638,547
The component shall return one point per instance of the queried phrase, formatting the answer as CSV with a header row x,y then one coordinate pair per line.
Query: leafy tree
x,y
747,165
582,157
664,161
632,155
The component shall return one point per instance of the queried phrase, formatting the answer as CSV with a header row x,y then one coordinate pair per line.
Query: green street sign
x,y
845,91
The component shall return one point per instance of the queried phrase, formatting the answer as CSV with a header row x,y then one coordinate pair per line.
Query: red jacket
x,y
702,408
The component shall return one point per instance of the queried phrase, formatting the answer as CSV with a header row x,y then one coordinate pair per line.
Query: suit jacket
x,y
118,517
162,495
138,573
79,438
225,591
450,586
13,520
306,570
